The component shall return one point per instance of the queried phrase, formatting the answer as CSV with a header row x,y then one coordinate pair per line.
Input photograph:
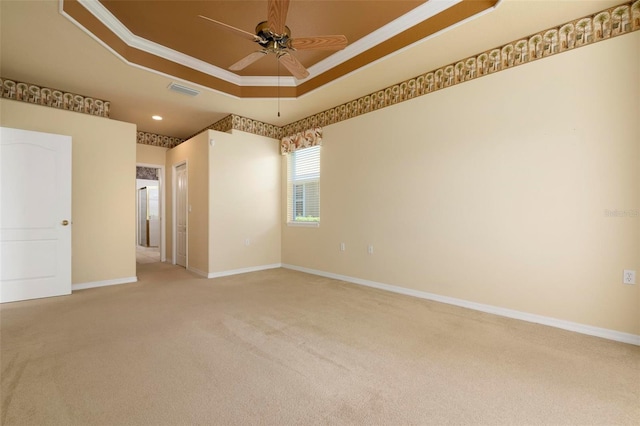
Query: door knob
x,y
65,222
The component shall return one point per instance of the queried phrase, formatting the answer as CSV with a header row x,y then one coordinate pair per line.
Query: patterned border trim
x,y
224,125
237,122
612,22
157,140
306,139
148,173
257,127
26,92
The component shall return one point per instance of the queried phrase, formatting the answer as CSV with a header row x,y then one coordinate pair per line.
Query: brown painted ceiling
x,y
60,44
175,24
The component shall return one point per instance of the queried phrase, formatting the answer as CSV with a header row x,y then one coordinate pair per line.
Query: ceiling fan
x,y
275,37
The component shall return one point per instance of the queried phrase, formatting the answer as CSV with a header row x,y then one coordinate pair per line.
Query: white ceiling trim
x,y
399,51
110,21
417,15
133,64
382,34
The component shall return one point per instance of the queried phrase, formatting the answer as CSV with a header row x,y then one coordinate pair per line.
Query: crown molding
x,y
408,20
123,33
392,29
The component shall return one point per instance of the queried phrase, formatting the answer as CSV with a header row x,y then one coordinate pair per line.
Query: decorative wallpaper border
x,y
256,127
603,25
158,140
237,122
147,173
606,24
31,93
600,26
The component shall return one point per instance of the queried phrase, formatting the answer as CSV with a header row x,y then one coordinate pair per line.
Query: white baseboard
x,y
243,270
94,284
618,336
197,271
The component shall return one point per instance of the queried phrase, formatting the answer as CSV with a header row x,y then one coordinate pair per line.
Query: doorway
x,y
150,209
180,216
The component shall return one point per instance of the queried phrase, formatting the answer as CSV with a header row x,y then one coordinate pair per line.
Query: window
x,y
303,186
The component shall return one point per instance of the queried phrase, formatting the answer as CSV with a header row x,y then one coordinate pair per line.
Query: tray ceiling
x,y
168,37
47,43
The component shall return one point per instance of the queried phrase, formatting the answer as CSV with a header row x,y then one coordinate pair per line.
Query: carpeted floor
x,y
281,347
147,254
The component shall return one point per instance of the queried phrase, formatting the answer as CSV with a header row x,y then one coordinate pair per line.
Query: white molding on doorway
x,y
163,208
173,213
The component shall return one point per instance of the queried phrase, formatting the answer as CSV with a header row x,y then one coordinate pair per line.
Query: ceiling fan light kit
x,y
274,36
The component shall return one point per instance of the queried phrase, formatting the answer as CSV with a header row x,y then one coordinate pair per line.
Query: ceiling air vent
x,y
183,89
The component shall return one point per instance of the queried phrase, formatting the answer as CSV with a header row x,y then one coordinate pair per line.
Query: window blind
x,y
303,185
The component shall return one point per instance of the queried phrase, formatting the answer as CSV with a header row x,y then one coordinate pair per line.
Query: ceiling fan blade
x,y
247,60
332,42
293,65
234,30
277,15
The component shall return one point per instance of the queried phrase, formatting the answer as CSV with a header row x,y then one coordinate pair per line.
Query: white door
x,y
35,215
142,217
181,215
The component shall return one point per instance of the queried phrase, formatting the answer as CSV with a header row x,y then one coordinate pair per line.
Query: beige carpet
x,y
281,347
147,254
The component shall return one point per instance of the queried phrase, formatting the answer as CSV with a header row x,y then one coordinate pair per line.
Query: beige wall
x,y
195,152
103,187
147,154
245,201
495,191
234,193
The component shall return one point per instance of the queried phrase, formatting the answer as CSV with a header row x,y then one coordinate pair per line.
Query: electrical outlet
x,y
343,246
370,249
629,277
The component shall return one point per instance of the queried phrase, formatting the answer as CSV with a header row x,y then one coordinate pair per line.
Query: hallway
x,y
147,254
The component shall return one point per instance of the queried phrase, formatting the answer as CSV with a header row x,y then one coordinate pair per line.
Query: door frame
x,y
161,187
174,220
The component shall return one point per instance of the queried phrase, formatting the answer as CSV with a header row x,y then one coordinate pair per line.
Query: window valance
x,y
306,139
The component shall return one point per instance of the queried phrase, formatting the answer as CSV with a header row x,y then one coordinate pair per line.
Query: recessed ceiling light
x,y
156,117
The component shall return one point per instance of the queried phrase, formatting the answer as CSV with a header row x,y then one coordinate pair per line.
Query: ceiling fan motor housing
x,y
270,40
275,37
